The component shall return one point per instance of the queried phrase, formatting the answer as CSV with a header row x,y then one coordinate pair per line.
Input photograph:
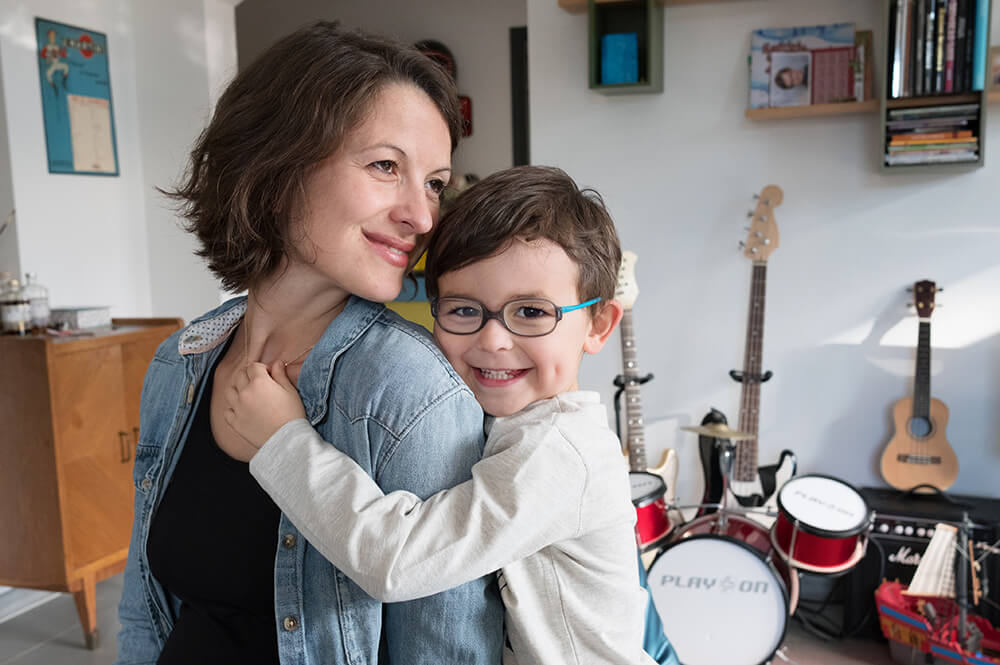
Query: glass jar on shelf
x,y
15,311
38,301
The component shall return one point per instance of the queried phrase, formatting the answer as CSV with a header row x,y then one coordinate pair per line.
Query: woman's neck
x,y
287,314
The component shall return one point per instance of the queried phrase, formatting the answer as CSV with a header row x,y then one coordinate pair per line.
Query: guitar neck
x,y
922,381
635,437
745,461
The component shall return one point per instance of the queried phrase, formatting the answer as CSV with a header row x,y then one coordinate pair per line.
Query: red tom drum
x,y
822,525
652,525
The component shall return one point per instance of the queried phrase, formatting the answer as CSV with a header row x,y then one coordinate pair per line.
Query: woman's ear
x,y
602,325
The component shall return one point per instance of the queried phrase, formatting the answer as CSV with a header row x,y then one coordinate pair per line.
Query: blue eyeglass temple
x,y
580,306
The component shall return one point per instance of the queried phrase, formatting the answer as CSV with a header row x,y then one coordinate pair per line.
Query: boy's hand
x,y
261,401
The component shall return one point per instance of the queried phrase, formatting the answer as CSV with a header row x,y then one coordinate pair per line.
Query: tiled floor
x,y
50,635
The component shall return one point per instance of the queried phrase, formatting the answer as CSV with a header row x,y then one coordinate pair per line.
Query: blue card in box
x,y
619,58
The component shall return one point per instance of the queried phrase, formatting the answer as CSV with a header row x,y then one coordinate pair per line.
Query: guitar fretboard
x,y
635,439
745,461
922,381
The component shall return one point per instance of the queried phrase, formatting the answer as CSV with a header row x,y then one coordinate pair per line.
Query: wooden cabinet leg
x,y
86,607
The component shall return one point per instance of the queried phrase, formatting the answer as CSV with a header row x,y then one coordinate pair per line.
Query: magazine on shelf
x,y
766,42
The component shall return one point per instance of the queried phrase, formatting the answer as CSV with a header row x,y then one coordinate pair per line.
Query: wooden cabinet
x,y
69,409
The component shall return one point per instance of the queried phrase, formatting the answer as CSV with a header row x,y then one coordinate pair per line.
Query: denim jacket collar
x,y
315,378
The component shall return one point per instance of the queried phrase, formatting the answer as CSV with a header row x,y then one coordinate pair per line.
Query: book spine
x,y
979,47
970,40
949,47
960,47
929,47
918,46
942,20
896,70
907,48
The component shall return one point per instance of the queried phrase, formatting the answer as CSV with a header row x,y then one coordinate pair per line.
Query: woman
x,y
314,187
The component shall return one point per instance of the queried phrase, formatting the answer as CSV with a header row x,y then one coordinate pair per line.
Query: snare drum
x,y
720,601
751,533
652,525
822,525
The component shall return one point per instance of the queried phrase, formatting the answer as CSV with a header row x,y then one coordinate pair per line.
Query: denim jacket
x,y
378,388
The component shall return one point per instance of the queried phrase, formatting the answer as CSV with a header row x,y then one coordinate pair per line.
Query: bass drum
x,y
751,533
720,600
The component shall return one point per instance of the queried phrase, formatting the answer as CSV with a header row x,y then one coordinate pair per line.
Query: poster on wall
x,y
76,99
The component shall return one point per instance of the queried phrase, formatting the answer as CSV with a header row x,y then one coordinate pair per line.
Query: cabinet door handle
x,y
123,449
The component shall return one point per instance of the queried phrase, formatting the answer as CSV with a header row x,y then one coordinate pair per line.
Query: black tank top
x,y
212,544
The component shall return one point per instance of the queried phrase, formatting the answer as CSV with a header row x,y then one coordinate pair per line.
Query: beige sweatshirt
x,y
549,505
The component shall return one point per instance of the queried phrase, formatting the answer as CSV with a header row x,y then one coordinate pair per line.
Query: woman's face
x,y
368,207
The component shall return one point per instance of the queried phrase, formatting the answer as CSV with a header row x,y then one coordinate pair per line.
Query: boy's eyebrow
x,y
517,296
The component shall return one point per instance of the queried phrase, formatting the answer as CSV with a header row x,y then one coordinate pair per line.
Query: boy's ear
x,y
602,325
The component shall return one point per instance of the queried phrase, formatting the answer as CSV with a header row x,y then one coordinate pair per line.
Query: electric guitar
x,y
918,456
635,440
751,485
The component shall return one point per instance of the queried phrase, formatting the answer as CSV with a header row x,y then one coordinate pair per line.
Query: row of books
x,y
932,134
937,47
819,64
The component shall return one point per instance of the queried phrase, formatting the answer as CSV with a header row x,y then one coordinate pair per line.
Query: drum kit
x,y
725,584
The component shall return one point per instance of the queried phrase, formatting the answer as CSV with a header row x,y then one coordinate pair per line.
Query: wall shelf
x,y
641,19
580,6
812,110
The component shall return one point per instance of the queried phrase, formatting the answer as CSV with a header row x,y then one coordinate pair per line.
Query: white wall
x,y
9,260
476,31
111,240
677,171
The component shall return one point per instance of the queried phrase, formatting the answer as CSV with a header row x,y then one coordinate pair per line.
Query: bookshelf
x,y
580,6
811,111
890,107
643,21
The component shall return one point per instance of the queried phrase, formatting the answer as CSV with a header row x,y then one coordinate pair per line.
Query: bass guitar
x,y
918,456
653,489
751,485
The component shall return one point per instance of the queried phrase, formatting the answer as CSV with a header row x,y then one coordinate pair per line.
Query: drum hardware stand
x,y
621,381
726,447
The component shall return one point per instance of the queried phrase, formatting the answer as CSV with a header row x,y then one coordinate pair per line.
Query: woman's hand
x,y
260,401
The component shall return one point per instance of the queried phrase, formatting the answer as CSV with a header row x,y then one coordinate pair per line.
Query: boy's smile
x,y
505,371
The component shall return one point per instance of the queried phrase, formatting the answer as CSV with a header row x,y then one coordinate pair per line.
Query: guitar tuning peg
x,y
756,196
910,305
909,289
749,214
940,289
746,228
743,245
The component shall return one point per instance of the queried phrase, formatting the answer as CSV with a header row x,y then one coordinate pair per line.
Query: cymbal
x,y
719,431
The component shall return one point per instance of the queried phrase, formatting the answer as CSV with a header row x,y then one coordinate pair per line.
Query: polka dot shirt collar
x,y
205,335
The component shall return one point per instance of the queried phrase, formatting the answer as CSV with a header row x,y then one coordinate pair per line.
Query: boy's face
x,y
507,372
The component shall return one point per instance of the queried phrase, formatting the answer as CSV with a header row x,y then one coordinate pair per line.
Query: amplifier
x,y
902,530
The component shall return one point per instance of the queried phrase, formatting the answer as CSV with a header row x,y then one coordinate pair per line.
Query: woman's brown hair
x,y
277,120
528,203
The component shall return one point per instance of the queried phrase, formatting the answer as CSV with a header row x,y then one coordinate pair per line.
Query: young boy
x,y
522,272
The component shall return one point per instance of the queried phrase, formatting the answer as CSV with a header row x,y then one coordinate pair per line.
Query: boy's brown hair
x,y
286,112
529,203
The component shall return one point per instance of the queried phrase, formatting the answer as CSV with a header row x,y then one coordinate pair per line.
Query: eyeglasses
x,y
526,317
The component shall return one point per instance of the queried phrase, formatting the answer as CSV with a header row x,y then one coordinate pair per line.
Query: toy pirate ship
x,y
930,621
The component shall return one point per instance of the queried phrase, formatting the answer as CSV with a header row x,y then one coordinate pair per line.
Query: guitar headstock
x,y
626,291
763,236
923,297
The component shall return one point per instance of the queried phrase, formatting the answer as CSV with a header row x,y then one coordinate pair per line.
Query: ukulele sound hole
x,y
920,427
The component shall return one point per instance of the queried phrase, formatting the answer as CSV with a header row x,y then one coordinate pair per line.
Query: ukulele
x,y
749,484
635,440
918,456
